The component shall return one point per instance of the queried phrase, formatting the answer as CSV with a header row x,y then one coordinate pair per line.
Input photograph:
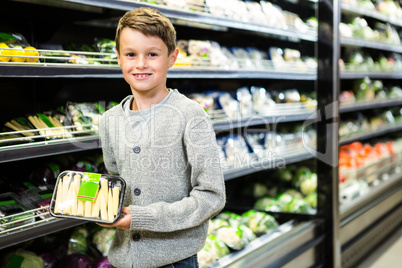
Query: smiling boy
x,y
163,145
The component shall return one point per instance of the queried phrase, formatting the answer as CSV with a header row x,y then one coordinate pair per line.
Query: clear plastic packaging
x,y
13,212
88,196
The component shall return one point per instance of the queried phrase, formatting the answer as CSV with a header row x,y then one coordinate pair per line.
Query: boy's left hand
x,y
123,222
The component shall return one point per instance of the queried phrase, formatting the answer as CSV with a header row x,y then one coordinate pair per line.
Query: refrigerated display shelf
x,y
279,113
370,74
204,18
367,105
110,71
48,148
368,239
289,241
370,44
287,112
364,229
372,134
45,224
36,229
273,160
302,242
355,10
394,179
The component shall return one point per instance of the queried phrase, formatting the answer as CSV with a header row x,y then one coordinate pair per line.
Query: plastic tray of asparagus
x,y
87,196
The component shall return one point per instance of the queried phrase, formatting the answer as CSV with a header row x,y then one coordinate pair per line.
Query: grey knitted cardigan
x,y
174,180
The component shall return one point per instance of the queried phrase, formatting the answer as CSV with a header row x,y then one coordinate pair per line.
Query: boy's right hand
x,y
123,222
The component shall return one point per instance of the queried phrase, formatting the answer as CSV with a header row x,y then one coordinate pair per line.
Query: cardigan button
x,y
136,237
137,149
137,191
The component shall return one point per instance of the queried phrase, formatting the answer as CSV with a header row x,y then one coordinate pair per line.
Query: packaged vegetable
x,y
233,219
232,237
78,241
103,239
13,212
22,258
259,222
90,196
268,204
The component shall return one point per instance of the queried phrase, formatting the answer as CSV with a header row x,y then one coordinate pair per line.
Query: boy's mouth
x,y
142,75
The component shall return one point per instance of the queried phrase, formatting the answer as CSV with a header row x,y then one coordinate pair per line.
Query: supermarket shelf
x,y
37,229
46,148
287,112
66,71
372,134
375,192
370,44
244,74
358,106
362,232
371,238
372,75
358,221
350,9
276,117
291,241
97,71
271,162
202,18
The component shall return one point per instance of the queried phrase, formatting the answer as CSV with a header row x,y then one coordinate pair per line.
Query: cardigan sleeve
x,y
207,196
107,151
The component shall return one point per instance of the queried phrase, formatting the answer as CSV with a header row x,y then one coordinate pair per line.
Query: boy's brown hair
x,y
150,22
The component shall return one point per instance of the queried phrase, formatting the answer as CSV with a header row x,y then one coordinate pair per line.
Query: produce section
x,y
260,93
369,156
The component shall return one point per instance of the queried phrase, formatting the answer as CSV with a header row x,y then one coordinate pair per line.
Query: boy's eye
x,y
130,54
153,54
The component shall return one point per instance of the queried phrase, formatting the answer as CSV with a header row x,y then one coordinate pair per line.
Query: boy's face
x,y
144,61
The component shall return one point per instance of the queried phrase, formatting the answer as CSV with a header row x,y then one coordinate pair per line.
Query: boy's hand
x,y
123,222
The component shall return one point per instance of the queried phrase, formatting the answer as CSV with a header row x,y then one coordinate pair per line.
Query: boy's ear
x,y
173,57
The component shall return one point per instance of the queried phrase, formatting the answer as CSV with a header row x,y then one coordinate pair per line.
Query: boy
x,y
163,145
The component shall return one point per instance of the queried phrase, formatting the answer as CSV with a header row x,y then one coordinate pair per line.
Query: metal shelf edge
x,y
77,71
57,147
373,75
369,105
260,166
370,135
41,229
370,44
199,17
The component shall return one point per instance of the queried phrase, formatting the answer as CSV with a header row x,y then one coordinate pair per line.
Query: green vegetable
x,y
259,222
231,236
301,173
232,218
259,190
78,241
268,204
293,193
296,206
215,224
284,175
311,200
22,258
309,185
285,198
218,246
103,239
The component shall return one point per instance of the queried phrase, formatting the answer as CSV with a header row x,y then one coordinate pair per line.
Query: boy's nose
x,y
140,62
